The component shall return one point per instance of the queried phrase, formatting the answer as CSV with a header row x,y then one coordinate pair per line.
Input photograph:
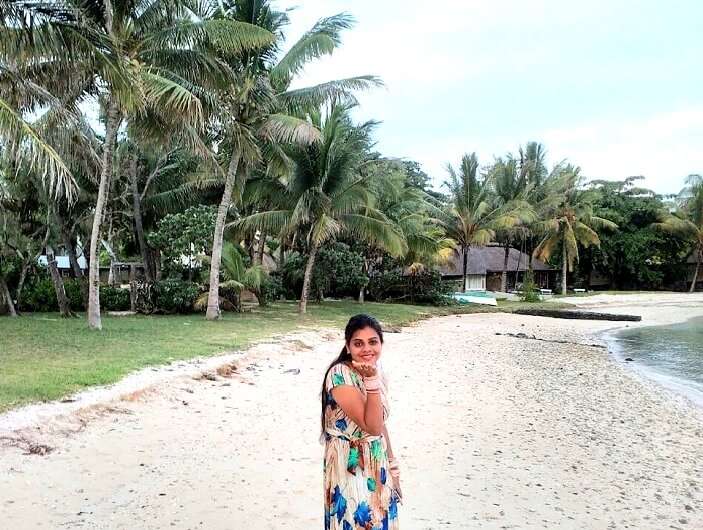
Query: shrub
x,y
114,299
39,295
176,296
529,289
74,293
421,287
339,271
272,289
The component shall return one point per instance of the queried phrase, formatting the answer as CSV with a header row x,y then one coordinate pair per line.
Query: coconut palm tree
x,y
567,220
131,55
687,221
263,113
325,196
473,215
511,186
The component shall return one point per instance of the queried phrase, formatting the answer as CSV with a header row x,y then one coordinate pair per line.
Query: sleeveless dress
x,y
357,484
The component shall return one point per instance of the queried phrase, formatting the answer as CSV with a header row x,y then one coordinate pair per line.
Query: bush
x,y
422,287
176,296
74,293
339,271
38,295
272,289
114,299
529,289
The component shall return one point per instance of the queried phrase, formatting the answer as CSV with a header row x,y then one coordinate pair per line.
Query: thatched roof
x,y
484,260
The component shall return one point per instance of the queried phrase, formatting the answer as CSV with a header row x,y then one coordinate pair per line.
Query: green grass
x,y
44,357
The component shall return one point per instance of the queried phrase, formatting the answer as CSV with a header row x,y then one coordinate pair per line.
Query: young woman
x,y
361,476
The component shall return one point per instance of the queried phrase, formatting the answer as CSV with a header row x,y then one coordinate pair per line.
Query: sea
x,y
671,355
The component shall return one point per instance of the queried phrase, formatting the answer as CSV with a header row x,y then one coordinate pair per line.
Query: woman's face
x,y
365,346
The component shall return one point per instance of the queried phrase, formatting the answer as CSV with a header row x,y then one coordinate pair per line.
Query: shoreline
x,y
677,386
493,429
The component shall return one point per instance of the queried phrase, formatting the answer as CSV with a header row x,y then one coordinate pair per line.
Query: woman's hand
x,y
365,370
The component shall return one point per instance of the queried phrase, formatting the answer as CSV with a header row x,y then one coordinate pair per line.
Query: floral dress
x,y
357,484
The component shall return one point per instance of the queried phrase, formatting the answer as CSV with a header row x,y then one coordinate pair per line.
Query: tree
x,y
263,113
567,220
325,197
473,216
511,187
633,209
687,222
132,56
184,235
238,276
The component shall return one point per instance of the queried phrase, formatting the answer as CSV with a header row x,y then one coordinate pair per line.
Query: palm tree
x,y
264,113
326,197
567,220
511,186
237,276
473,216
687,221
131,55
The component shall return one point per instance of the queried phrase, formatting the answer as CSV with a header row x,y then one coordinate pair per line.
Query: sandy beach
x,y
500,421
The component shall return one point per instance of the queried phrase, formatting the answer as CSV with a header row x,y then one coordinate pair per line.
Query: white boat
x,y
475,297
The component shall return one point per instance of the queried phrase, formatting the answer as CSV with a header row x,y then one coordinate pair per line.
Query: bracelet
x,y
372,383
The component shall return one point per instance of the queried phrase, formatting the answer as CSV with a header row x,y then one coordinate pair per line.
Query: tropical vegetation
x,y
161,156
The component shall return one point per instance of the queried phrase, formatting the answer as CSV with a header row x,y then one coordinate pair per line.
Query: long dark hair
x,y
355,323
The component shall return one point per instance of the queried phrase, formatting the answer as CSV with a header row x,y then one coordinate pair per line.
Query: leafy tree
x,y
325,197
633,209
687,222
567,221
262,113
473,216
184,235
511,187
132,56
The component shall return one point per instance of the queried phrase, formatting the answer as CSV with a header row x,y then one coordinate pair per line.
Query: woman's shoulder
x,y
343,374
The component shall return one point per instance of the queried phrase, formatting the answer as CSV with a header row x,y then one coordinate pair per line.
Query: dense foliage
x,y
219,183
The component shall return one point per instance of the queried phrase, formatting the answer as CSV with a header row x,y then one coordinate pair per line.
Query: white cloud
x,y
664,147
471,75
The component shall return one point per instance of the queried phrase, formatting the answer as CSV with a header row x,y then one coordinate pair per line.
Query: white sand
x,y
493,431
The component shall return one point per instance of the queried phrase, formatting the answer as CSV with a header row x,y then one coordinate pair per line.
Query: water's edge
x,y
678,385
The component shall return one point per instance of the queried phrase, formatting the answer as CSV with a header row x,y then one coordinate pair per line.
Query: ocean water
x,y
672,355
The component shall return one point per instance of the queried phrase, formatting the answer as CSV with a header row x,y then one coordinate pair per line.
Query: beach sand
x,y
493,431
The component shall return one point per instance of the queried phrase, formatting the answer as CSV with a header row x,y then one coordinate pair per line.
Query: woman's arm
x,y
366,413
393,470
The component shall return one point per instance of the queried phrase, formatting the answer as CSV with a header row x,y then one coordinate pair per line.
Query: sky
x,y
615,87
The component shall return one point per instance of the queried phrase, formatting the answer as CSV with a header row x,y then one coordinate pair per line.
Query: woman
x,y
361,476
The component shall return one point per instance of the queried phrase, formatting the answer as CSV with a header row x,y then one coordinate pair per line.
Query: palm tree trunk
x,y
564,270
695,273
262,249
57,280
465,269
5,293
110,237
111,127
504,276
213,299
302,307
138,221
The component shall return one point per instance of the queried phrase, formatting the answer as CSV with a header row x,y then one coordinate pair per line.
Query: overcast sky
x,y
615,87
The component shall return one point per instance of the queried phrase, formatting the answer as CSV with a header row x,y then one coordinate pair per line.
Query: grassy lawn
x,y
43,357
